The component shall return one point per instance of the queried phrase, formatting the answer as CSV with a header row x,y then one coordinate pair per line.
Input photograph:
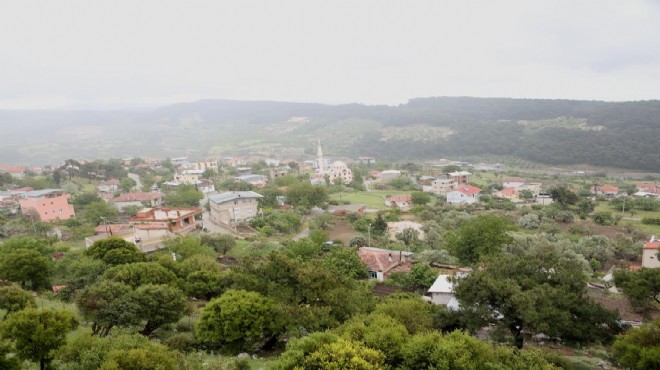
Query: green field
x,y
636,218
372,199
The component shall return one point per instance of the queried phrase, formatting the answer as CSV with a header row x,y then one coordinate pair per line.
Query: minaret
x,y
319,154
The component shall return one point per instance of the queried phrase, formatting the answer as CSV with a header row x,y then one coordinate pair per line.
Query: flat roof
x,y
231,195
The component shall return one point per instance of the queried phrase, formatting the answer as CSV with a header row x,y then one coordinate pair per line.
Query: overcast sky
x,y
101,54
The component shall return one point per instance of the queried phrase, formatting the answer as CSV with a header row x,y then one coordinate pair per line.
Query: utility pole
x,y
369,233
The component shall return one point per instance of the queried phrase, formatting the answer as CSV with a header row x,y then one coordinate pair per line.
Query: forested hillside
x,y
547,131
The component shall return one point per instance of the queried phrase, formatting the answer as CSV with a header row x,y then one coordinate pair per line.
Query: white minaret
x,y
319,154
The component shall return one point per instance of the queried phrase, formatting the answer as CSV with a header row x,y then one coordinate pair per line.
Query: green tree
x,y
126,184
41,246
585,207
420,198
642,287
639,348
379,226
344,354
239,319
13,298
98,212
23,265
408,236
420,277
184,196
484,236
140,273
188,246
108,304
78,272
38,333
143,359
408,309
603,218
380,332
159,305
83,199
346,262
535,293
526,194
563,196
306,195
114,251
221,243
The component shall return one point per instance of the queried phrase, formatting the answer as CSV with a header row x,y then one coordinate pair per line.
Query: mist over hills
x,y
622,134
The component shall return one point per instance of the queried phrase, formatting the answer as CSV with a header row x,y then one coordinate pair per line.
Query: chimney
x,y
390,258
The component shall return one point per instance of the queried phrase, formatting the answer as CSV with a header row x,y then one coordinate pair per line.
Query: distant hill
x,y
622,135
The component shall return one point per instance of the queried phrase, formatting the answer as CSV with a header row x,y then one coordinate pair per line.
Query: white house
x,y
650,253
108,186
442,290
466,194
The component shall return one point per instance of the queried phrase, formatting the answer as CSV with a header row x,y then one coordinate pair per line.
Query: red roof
x,y
137,197
655,244
606,189
11,169
468,190
509,192
379,261
400,198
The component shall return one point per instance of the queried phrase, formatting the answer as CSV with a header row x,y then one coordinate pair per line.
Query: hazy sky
x,y
134,53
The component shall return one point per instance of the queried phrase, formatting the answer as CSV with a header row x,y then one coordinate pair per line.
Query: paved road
x,y
138,183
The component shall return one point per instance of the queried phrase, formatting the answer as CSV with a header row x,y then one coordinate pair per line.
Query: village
x,y
400,222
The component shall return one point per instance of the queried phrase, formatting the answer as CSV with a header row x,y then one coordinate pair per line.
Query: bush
x,y
529,221
181,342
651,221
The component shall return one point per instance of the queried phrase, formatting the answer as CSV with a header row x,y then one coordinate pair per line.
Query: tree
x,y
585,207
534,293
642,287
238,320
526,194
98,212
346,262
23,265
222,243
159,305
408,309
563,196
380,332
13,298
184,196
484,236
126,184
639,348
420,277
306,195
408,236
603,218
83,199
344,354
108,304
37,333
140,273
420,198
114,251
143,359
379,227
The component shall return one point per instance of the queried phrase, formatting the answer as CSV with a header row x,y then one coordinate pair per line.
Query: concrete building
x,y
650,257
234,208
174,220
47,204
138,199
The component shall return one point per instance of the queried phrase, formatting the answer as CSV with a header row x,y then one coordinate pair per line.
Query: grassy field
x,y
635,220
244,248
372,199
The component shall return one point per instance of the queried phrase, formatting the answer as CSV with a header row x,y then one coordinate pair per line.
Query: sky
x,y
117,54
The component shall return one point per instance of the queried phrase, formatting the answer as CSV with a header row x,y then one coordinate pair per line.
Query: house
x,y
514,182
466,194
255,180
608,191
650,258
366,160
460,177
190,177
645,194
280,171
649,188
426,180
382,262
442,290
389,175
205,186
108,186
442,186
507,193
402,201
14,171
233,208
242,171
47,204
205,165
138,199
234,161
174,220
344,209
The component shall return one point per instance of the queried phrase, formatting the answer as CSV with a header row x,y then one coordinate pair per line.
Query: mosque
x,y
335,170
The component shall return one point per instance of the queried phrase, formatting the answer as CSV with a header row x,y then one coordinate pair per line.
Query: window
x,y
373,275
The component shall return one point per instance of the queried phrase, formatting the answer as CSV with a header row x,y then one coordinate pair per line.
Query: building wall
x,y
441,298
456,197
49,209
234,211
650,258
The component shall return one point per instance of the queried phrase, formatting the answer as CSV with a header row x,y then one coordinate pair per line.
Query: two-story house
x,y
234,207
47,204
466,194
